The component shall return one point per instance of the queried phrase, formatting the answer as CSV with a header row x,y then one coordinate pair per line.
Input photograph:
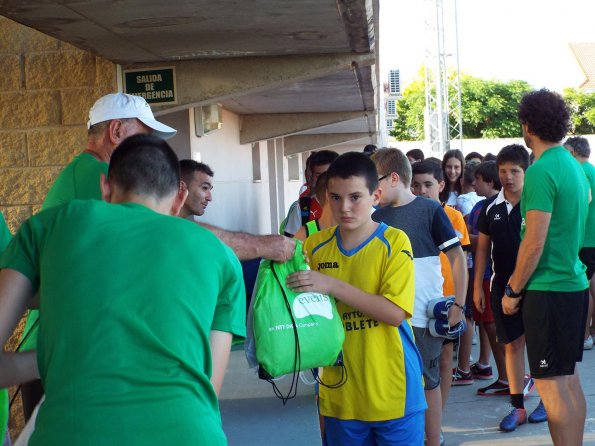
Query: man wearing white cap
x,y
112,119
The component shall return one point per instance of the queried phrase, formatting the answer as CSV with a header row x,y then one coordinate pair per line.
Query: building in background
x,y
392,93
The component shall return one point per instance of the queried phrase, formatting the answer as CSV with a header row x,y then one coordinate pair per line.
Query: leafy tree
x,y
582,106
489,108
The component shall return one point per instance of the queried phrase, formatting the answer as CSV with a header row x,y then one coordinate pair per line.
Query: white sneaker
x,y
588,344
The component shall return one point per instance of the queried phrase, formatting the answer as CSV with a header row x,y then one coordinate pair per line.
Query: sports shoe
x,y
460,378
515,418
438,308
539,415
529,386
481,372
588,344
497,388
439,328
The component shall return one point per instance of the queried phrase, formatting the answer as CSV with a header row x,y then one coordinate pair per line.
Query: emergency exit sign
x,y
155,85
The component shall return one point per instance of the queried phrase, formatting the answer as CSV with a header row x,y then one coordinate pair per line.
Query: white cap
x,y
122,106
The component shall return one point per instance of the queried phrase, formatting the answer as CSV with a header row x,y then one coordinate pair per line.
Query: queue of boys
x,y
132,336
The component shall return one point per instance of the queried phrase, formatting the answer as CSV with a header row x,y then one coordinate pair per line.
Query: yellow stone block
x,y
55,147
11,36
11,72
105,73
29,109
15,215
26,186
13,149
59,70
76,103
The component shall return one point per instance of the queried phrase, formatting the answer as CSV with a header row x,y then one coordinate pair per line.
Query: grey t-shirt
x,y
430,232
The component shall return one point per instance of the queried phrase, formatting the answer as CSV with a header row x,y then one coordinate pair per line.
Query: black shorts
x,y
554,331
587,256
508,328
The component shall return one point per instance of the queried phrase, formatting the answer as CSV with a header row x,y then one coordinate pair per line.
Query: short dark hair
x,y
469,172
488,171
188,167
545,114
579,145
393,160
472,155
354,164
416,154
145,165
431,167
489,157
370,149
433,159
515,154
321,158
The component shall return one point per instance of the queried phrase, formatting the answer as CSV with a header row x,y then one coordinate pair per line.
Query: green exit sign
x,y
155,85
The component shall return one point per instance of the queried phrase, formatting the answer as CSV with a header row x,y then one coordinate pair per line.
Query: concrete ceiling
x,y
159,32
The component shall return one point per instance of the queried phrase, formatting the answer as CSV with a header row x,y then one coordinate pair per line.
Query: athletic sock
x,y
482,366
517,400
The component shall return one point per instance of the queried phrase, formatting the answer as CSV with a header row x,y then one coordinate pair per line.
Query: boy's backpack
x,y
290,332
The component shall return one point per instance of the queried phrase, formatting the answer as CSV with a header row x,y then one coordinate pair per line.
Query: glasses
x,y
382,178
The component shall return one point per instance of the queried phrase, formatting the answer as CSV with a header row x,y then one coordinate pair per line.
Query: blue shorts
x,y
408,430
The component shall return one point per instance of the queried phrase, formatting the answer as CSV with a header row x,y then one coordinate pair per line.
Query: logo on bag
x,y
310,304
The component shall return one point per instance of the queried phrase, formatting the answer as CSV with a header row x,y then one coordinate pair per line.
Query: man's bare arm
x,y
220,342
247,246
530,250
16,293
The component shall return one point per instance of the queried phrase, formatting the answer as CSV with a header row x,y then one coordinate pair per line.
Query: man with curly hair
x,y
549,277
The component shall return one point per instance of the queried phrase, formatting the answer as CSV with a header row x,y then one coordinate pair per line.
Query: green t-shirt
x,y
128,298
556,184
590,229
5,237
78,180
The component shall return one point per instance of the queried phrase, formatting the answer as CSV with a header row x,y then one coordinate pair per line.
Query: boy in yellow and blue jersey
x,y
368,268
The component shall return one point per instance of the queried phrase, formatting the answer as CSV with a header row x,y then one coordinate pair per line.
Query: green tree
x,y
489,108
582,106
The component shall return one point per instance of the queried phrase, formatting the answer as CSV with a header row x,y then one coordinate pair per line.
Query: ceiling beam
x,y
303,143
261,127
201,82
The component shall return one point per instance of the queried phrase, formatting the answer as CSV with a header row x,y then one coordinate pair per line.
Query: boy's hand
x,y
479,300
308,280
455,314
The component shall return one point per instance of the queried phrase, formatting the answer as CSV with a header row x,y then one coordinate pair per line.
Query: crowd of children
x,y
463,221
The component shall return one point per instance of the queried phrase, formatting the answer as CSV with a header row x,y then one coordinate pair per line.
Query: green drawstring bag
x,y
292,331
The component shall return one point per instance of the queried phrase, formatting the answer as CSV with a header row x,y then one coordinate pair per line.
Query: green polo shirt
x,y
556,184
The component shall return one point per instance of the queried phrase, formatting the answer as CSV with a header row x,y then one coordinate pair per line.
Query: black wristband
x,y
462,307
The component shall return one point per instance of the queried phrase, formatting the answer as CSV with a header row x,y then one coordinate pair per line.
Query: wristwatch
x,y
510,292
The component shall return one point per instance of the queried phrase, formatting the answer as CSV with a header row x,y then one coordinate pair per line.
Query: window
x,y
390,107
394,81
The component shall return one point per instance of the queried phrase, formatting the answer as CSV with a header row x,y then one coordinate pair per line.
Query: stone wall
x,y
46,89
